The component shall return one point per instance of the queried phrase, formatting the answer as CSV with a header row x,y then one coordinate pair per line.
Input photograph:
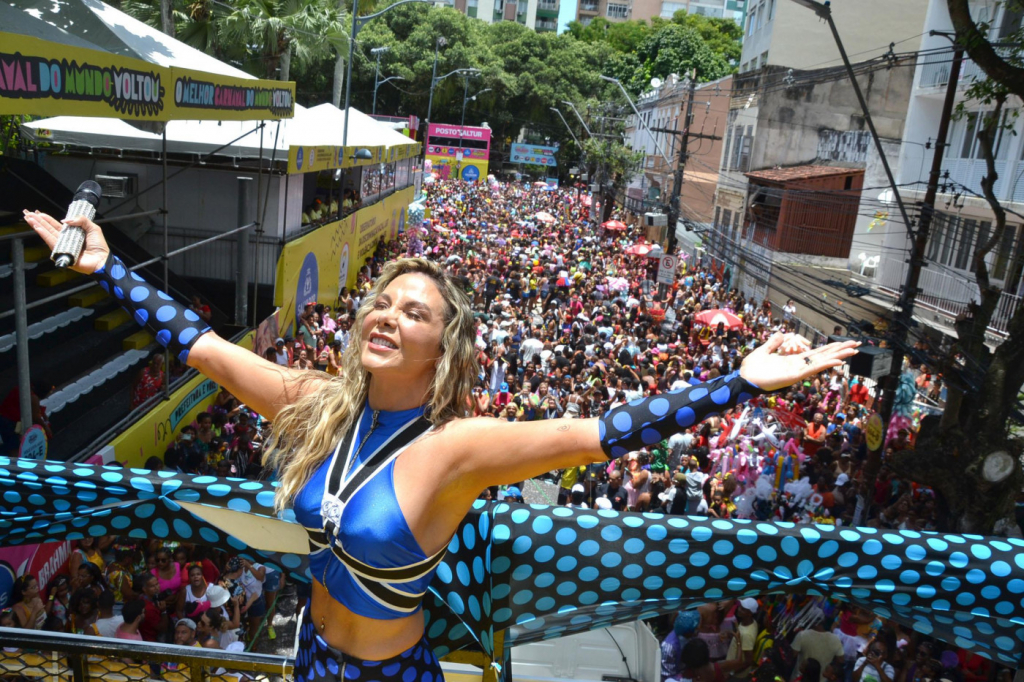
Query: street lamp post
x,y
376,52
583,153
357,23
464,100
441,42
377,85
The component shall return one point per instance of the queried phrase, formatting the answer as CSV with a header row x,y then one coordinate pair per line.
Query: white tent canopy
x,y
321,125
98,26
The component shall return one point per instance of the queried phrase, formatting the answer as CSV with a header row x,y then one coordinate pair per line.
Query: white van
x,y
619,653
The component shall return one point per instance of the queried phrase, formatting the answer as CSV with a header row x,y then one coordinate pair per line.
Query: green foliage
x,y
527,72
687,42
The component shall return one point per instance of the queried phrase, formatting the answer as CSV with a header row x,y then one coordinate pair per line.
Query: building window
x,y
617,11
522,7
585,21
751,22
669,9
771,9
760,17
764,59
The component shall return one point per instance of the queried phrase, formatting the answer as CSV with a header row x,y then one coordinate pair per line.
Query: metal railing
x,y
56,656
945,292
935,72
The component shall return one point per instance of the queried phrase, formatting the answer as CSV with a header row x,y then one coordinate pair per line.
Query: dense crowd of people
x,y
570,325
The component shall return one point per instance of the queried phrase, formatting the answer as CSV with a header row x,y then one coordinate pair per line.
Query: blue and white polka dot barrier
x,y
542,572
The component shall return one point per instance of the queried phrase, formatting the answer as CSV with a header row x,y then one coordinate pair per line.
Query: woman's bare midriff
x,y
366,638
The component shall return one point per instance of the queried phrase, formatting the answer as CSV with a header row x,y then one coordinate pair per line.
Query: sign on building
x,y
534,154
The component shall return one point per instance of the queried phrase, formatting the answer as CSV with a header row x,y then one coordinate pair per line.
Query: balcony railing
x,y
548,4
935,72
946,292
546,25
588,7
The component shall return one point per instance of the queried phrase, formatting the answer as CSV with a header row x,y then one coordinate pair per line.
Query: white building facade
x,y
963,220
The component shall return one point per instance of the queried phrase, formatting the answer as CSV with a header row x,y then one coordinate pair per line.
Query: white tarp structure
x,y
320,125
95,25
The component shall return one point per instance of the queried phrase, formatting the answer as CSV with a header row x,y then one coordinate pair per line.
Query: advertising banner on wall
x,y
316,266
535,154
152,434
41,560
43,78
310,159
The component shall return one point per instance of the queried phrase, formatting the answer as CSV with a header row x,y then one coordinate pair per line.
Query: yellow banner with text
x,y
315,267
153,433
42,78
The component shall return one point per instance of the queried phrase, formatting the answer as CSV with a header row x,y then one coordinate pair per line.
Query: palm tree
x,y
261,36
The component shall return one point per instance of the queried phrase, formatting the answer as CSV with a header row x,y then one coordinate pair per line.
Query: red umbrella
x,y
639,249
545,217
540,183
711,318
586,200
614,225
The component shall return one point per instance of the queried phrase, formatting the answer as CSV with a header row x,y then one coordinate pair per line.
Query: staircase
x,y
82,344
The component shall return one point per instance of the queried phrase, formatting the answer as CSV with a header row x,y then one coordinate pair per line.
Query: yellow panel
x,y
112,320
87,298
155,431
56,277
137,341
35,254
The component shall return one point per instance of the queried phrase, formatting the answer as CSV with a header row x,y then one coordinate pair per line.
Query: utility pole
x,y
677,177
904,317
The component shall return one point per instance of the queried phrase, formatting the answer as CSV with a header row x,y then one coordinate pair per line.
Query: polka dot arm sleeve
x,y
176,327
645,422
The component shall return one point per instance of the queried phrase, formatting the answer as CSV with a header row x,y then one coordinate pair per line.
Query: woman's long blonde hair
x,y
306,432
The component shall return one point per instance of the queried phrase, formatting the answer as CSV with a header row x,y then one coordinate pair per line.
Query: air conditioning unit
x,y
118,186
655,220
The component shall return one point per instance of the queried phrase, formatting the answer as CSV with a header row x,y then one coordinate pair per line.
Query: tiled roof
x,y
800,173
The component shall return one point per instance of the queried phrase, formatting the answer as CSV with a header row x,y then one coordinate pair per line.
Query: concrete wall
x,y
823,122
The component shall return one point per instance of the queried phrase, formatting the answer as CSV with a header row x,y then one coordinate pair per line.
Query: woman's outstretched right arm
x,y
263,386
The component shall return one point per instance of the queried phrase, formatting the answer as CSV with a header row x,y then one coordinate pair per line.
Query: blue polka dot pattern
x,y
641,423
317,661
558,571
174,325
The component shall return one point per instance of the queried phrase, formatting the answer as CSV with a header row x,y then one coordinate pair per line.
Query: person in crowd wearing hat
x,y
249,576
742,646
282,354
577,496
684,627
695,479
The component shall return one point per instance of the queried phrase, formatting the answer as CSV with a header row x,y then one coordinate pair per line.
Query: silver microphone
x,y
72,238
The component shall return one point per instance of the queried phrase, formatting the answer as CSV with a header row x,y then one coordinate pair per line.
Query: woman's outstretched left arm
x,y
490,452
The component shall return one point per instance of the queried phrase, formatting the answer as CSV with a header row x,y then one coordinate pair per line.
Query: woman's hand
x,y
769,369
94,253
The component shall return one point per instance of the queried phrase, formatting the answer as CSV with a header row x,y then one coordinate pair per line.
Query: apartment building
x,y
963,220
540,15
798,166
784,33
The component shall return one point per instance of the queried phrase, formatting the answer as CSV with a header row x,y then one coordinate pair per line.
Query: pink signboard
x,y
443,138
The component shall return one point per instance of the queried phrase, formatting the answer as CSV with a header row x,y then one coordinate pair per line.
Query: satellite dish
x,y
655,82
